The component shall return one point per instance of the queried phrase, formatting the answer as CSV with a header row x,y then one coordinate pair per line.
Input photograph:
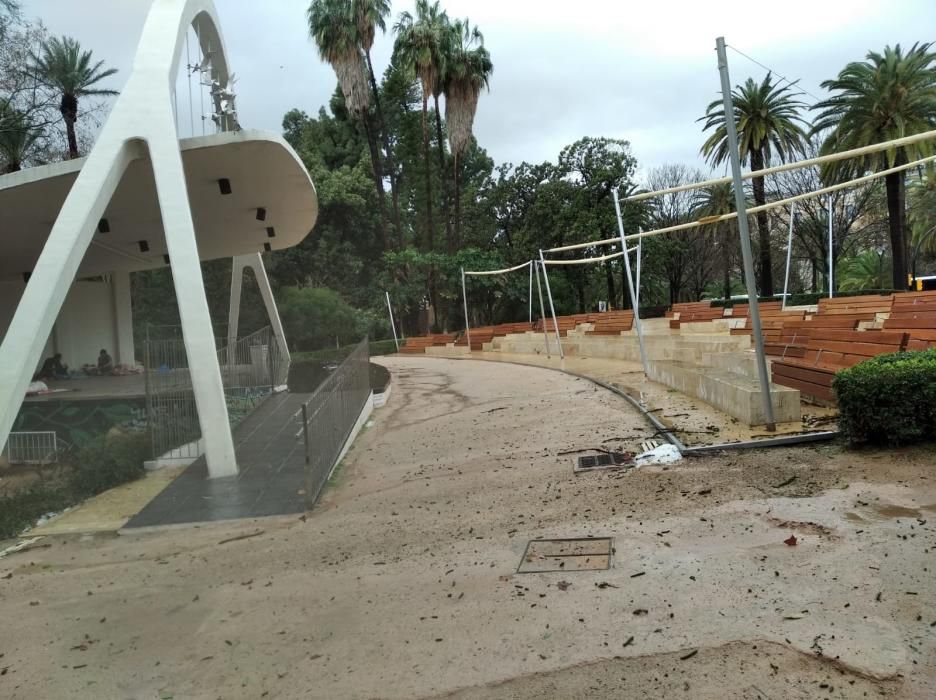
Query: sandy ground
x,y
402,583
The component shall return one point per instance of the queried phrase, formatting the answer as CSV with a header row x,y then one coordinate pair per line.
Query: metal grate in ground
x,y
574,554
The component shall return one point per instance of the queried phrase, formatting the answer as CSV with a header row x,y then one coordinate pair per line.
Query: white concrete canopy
x,y
263,171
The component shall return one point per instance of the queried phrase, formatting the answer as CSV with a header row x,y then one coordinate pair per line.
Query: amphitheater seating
x,y
418,345
828,350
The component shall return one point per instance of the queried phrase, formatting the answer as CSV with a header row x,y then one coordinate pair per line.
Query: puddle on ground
x,y
884,511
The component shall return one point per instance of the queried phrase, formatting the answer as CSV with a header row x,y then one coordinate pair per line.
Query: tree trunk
x,y
443,194
391,163
430,233
456,241
897,220
377,170
763,227
69,110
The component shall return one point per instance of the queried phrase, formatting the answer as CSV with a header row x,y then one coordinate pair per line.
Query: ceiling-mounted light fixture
x,y
224,185
103,226
144,246
271,232
261,214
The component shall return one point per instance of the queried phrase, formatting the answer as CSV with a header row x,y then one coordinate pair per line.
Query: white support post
x,y
123,319
539,291
392,324
745,234
789,254
237,284
530,295
639,263
254,262
552,307
830,247
630,285
465,300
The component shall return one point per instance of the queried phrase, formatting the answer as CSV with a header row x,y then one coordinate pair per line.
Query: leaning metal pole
x,y
630,285
392,324
741,207
465,300
552,308
830,247
530,295
539,290
789,254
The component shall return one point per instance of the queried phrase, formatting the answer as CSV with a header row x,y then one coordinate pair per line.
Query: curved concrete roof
x,y
263,171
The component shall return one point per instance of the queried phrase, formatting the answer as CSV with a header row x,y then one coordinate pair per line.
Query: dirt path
x,y
401,584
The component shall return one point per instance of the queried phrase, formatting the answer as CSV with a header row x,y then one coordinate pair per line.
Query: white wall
x,y
10,293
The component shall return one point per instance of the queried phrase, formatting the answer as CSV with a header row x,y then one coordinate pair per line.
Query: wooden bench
x,y
919,325
418,344
870,304
827,352
612,323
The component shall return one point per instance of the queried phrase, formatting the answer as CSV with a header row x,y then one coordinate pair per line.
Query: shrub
x,y
890,399
318,318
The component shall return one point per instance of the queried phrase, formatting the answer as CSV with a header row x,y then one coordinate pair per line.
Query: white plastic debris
x,y
664,454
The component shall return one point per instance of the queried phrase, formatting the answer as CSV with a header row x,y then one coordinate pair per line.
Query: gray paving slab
x,y
270,481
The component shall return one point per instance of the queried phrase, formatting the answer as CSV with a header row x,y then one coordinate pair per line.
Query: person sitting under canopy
x,y
53,368
105,363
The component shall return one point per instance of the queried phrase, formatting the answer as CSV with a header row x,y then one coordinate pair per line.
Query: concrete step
x,y
736,394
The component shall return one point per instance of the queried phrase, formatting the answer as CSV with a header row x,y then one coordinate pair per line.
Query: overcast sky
x,y
562,70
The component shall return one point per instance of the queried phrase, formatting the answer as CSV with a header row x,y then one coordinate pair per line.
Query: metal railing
x,y
251,368
32,447
329,416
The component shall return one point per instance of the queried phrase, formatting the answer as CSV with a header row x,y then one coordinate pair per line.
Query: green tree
x,y
17,137
718,200
469,69
419,46
867,270
887,96
767,116
333,25
62,65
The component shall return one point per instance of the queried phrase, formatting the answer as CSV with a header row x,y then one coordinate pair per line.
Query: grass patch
x,y
102,464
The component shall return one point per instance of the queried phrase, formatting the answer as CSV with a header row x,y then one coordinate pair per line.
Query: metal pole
x,y
830,246
789,253
465,299
392,324
530,295
639,260
539,290
741,208
552,308
630,285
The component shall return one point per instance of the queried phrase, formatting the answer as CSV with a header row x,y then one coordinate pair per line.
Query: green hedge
x,y
889,399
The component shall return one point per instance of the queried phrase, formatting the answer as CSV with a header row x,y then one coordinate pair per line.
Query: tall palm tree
x,y
767,116
718,200
469,69
17,137
370,15
333,25
63,66
885,97
420,46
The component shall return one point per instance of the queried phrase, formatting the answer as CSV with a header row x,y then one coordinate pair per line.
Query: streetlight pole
x,y
748,258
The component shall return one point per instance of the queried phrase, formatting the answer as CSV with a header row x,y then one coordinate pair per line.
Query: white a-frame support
x,y
141,122
255,263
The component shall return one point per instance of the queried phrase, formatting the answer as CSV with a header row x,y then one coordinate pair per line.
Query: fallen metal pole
x,y
552,307
392,324
741,208
630,286
465,299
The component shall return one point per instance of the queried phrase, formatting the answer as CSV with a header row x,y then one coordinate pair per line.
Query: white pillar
x,y
124,353
255,262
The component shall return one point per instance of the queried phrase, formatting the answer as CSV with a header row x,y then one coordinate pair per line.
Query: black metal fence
x,y
251,368
329,416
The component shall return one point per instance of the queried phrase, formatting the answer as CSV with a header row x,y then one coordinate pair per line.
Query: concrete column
x,y
123,319
55,271
190,293
254,261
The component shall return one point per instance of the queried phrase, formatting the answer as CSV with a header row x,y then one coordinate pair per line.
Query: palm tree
x,y
17,137
766,115
420,46
64,67
469,69
718,200
885,97
867,270
370,15
334,27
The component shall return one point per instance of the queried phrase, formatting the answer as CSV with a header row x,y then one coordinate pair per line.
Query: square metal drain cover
x,y
605,460
581,554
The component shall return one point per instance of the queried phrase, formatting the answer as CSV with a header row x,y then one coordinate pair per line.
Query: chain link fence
x,y
251,368
329,416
